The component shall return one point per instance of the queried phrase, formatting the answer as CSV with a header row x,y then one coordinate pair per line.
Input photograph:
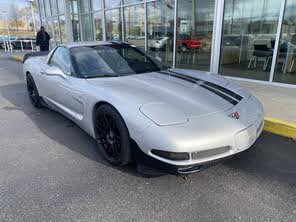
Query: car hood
x,y
168,100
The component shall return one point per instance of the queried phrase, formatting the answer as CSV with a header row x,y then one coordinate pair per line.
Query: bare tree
x,y
15,14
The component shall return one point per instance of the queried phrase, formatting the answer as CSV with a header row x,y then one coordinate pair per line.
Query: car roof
x,y
92,43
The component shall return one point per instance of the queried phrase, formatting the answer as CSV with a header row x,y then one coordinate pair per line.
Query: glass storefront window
x,y
56,31
98,26
135,25
41,6
126,2
63,32
160,30
249,32
50,30
73,7
47,8
61,6
194,34
113,25
84,6
86,26
96,5
112,3
54,9
75,28
285,71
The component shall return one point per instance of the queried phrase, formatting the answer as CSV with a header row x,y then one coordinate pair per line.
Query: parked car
x,y
137,109
185,42
160,43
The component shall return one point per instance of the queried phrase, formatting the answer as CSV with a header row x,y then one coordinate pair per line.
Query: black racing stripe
x,y
224,90
225,97
186,78
213,85
208,86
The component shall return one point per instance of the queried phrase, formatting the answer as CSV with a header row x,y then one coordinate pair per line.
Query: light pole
x,y
32,12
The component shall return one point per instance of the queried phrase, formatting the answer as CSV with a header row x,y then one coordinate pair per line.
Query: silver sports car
x,y
137,109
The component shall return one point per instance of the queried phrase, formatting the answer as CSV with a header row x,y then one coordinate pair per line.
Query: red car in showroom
x,y
185,42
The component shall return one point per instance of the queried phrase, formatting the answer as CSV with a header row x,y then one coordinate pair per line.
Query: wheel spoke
x,y
106,121
113,124
103,122
101,129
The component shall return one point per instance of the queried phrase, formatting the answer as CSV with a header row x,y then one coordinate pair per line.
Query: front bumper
x,y
205,138
150,162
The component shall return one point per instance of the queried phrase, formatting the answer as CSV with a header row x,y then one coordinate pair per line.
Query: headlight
x,y
171,155
246,138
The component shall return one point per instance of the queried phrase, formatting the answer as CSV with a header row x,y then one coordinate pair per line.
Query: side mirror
x,y
158,58
55,71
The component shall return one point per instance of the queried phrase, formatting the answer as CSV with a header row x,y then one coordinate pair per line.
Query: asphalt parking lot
x,y
50,170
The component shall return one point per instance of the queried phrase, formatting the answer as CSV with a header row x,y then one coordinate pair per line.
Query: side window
x,y
61,59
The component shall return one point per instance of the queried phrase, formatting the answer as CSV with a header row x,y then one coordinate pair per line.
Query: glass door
x,y
285,69
248,38
194,34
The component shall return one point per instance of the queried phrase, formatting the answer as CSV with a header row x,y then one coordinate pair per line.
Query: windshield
x,y
112,60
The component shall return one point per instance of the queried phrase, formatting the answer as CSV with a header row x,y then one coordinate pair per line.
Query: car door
x,y
64,93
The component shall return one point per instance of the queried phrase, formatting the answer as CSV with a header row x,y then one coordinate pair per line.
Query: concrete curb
x,y
18,58
272,125
280,127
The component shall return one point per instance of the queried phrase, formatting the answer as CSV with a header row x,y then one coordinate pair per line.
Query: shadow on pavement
x,y
272,156
56,126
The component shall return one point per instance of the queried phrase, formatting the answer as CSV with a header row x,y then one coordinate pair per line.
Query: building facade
x,y
249,39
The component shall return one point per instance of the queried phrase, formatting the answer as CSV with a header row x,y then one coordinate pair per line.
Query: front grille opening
x,y
171,155
209,153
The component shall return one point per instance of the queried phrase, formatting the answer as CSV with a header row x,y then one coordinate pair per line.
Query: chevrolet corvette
x,y
139,110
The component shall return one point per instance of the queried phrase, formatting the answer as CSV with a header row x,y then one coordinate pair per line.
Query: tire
x,y
183,48
112,136
33,92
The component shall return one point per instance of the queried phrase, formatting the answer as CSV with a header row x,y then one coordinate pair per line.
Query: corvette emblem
x,y
234,115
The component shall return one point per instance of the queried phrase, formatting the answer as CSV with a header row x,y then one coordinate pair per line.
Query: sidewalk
x,y
278,102
16,55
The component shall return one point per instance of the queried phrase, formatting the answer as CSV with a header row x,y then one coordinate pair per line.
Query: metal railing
x,y
10,47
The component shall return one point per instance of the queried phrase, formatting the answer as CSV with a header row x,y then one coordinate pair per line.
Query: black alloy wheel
x,y
33,92
112,135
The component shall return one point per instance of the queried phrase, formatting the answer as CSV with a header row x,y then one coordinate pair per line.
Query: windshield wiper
x,y
102,76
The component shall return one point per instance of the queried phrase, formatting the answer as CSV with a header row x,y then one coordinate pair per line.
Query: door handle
x,y
42,73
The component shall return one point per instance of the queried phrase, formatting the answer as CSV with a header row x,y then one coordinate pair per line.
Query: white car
x,y
158,43
139,110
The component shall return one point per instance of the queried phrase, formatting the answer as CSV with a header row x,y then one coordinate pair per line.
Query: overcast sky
x,y
4,4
